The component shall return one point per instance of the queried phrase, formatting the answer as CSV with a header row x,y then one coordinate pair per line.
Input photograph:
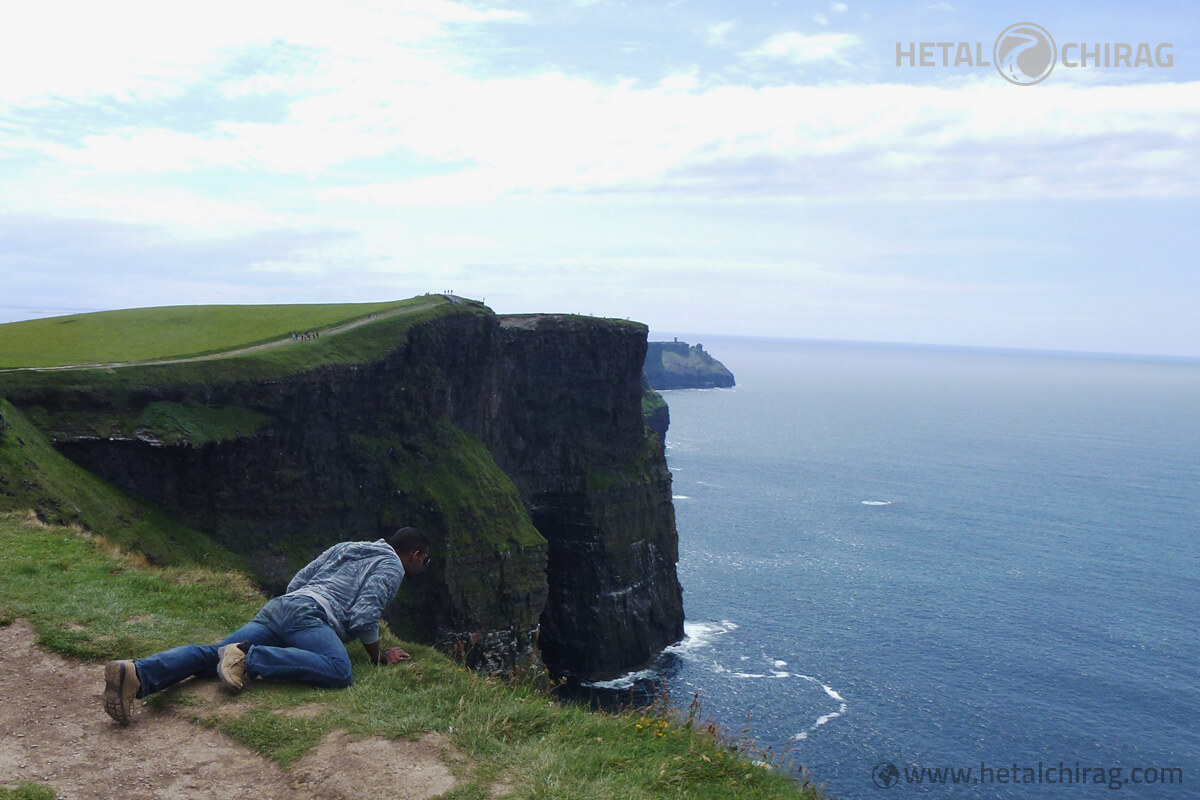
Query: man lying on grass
x,y
297,637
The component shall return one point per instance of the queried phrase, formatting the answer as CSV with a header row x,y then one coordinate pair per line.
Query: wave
x,y
697,635
680,497
876,502
627,681
778,674
824,718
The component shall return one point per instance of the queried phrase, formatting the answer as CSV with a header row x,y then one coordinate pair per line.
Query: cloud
x,y
715,34
55,51
397,120
800,48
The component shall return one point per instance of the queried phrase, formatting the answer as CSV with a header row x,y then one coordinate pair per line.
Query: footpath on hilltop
x,y
195,341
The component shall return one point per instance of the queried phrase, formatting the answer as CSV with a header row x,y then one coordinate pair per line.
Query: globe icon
x,y
885,775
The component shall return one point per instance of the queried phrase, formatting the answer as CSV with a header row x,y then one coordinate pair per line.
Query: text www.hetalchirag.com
x,y
1059,774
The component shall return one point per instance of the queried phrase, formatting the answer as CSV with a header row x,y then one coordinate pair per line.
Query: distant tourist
x,y
299,636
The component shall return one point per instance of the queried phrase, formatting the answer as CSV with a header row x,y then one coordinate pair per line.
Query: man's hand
x,y
390,656
393,655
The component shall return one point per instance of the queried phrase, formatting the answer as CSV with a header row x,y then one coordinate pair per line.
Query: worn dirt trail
x,y
53,730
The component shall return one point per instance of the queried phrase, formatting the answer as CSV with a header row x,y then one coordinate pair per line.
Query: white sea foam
x,y
680,497
780,663
625,681
876,502
700,634
824,718
748,675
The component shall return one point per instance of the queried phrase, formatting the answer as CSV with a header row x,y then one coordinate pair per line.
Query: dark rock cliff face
x,y
598,489
517,445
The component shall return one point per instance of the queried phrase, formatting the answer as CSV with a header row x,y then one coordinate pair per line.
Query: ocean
x,y
902,563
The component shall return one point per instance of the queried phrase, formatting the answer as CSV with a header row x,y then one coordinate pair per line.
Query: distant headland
x,y
678,365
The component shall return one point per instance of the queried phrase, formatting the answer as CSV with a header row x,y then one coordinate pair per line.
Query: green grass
x,y
87,601
170,332
111,388
25,790
36,477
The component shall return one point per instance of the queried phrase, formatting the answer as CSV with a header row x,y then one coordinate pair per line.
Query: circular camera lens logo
x,y
1024,53
885,775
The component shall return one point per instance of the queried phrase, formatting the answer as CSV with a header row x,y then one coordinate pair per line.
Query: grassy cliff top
x,y
363,339
176,332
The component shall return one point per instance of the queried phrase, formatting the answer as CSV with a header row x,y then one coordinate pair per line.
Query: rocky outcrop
x,y
517,444
655,412
678,365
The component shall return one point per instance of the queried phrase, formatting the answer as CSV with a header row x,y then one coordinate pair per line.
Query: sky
x,y
745,168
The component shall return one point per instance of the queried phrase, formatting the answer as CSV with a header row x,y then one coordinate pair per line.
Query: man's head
x,y
413,548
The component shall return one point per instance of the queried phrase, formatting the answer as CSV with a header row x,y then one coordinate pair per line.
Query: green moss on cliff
x,y
635,471
162,421
461,478
34,476
652,403
487,553
174,422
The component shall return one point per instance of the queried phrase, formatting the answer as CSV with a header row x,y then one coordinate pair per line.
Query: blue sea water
x,y
945,559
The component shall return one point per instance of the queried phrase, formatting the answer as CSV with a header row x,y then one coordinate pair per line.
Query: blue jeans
x,y
290,640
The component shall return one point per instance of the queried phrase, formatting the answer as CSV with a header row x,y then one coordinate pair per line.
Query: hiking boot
x,y
121,686
231,666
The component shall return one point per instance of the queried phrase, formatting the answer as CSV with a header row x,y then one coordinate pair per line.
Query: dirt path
x,y
227,353
53,730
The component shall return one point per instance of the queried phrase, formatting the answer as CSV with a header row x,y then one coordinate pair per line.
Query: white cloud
x,y
820,19
480,136
840,8
148,49
715,34
800,48
555,133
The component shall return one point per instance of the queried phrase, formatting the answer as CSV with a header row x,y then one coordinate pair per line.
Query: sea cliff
x,y
678,365
517,443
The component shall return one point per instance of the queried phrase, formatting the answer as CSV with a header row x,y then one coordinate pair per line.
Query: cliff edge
x,y
516,443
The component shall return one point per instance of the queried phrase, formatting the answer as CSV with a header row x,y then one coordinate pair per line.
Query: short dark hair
x,y
406,540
